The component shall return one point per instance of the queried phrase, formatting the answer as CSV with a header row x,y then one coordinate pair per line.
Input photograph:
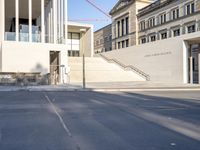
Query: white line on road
x,y
138,97
59,116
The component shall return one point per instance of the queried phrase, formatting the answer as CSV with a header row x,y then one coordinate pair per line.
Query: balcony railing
x,y
24,37
36,38
10,36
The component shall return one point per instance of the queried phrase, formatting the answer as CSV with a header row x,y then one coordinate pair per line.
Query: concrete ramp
x,y
100,70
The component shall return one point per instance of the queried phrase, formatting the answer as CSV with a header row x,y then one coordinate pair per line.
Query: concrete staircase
x,y
100,70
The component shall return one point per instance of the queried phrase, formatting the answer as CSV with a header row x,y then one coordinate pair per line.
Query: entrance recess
x,y
194,60
54,67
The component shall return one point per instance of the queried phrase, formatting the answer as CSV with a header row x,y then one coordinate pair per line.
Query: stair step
x,y
99,70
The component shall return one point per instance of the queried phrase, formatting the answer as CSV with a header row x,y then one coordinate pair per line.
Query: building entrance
x,y
194,59
54,67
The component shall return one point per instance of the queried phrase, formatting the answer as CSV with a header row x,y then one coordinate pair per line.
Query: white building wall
x,y
30,57
164,60
2,21
0,56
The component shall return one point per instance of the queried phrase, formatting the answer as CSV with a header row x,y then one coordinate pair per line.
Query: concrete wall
x,y
0,56
1,20
29,57
164,60
88,43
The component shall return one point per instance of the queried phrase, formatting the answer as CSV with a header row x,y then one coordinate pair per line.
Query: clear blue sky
x,y
81,10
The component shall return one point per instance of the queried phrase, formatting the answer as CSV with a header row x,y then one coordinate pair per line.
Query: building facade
x,y
124,22
33,38
170,18
103,39
80,39
168,34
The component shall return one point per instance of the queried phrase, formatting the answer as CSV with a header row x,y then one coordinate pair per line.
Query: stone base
x,y
24,79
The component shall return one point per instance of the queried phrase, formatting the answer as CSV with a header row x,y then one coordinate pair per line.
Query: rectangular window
x,y
151,22
110,37
190,8
118,28
153,38
191,29
123,44
119,45
142,25
127,25
143,40
176,32
74,42
127,43
164,35
175,13
162,18
122,27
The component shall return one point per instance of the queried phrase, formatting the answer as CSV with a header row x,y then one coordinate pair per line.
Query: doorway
x,y
194,63
54,67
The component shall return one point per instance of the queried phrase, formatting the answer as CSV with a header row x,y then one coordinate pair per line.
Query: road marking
x,y
173,144
59,116
138,97
97,102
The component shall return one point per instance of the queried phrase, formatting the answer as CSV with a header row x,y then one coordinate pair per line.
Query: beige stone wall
x,y
100,35
87,43
164,60
198,5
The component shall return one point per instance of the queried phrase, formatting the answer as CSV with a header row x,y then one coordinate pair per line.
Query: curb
x,y
100,89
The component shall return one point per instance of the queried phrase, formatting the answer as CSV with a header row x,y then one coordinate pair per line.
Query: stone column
x,y
191,65
55,22
51,22
59,18
191,69
42,22
65,19
62,24
30,20
199,63
116,30
17,19
2,20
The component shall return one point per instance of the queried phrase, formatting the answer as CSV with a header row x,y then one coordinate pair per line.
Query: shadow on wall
x,y
40,68
43,77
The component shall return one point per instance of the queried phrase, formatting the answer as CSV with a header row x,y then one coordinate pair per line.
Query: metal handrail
x,y
136,70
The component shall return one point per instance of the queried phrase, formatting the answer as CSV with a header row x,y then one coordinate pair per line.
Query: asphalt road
x,y
99,121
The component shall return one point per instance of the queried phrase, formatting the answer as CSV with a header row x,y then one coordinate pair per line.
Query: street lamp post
x,y
83,50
